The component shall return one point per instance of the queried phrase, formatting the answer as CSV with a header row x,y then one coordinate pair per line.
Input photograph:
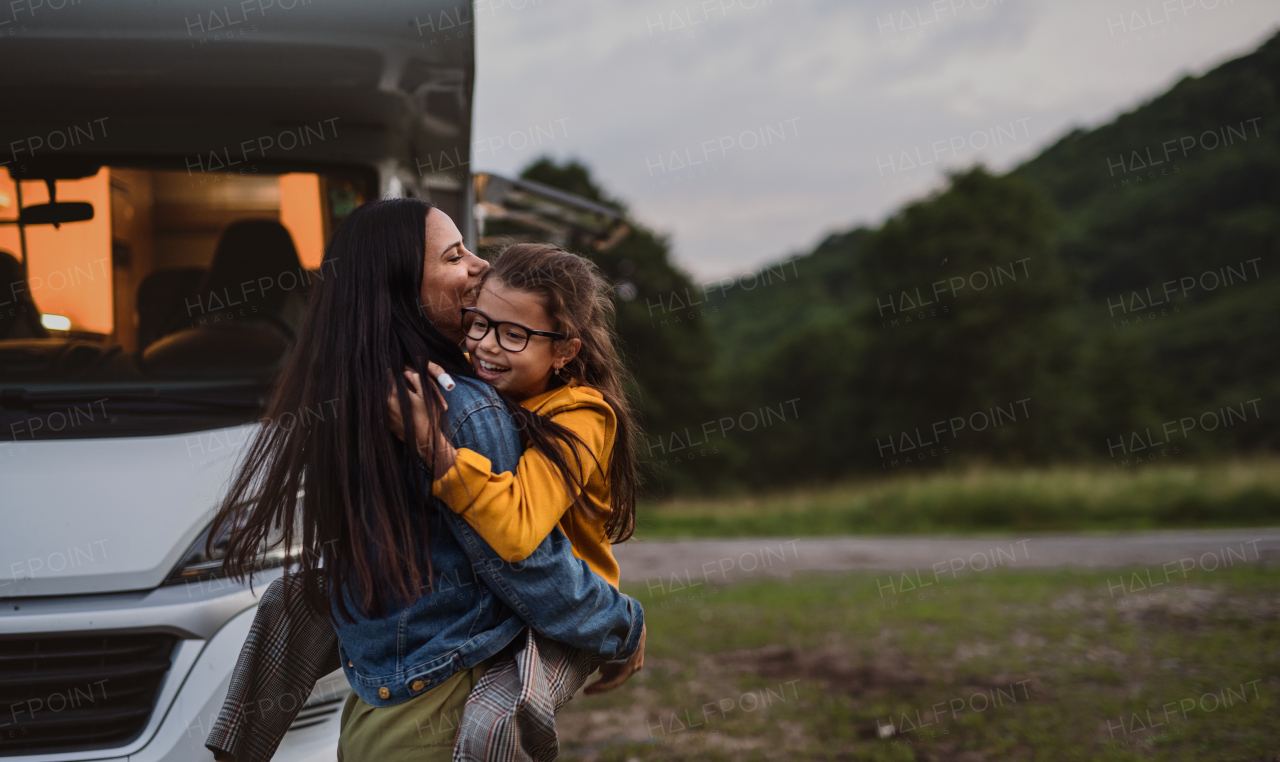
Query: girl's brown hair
x,y
575,295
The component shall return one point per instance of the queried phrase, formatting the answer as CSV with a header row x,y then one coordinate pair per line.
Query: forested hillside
x,y
1112,300
1145,251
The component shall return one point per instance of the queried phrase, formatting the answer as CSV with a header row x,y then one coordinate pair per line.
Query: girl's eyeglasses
x,y
512,337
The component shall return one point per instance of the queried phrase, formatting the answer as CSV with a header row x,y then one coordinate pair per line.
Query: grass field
x,y
1228,494
1061,665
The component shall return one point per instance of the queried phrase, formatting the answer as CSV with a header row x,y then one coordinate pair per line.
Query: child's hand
x,y
614,675
432,445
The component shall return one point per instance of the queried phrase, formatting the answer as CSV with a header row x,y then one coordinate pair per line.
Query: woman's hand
x,y
432,445
614,675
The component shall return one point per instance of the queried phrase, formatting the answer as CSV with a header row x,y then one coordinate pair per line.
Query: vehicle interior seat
x,y
19,316
249,306
163,298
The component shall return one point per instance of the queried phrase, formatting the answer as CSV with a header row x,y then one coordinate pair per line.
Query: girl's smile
x,y
524,373
489,371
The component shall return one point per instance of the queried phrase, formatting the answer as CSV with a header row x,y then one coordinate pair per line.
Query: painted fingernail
x,y
445,381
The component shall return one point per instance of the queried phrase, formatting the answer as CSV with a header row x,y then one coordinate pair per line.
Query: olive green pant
x,y
419,730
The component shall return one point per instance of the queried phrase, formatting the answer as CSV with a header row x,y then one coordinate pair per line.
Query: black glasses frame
x,y
497,324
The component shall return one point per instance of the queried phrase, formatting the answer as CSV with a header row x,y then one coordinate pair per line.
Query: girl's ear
x,y
568,350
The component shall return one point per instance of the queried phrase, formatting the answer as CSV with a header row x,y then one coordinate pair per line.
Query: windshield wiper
x,y
142,399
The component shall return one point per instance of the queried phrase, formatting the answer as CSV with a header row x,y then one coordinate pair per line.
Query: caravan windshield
x,y
170,310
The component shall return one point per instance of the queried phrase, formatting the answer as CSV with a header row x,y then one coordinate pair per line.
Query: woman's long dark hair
x,y
336,475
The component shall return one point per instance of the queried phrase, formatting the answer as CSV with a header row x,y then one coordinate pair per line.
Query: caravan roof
x,y
279,81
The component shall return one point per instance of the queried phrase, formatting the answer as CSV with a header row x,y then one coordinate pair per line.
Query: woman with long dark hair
x,y
419,603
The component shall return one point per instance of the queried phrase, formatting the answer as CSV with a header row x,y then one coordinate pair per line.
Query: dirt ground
x,y
1064,661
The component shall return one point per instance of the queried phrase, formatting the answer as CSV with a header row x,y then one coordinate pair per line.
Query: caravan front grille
x,y
68,693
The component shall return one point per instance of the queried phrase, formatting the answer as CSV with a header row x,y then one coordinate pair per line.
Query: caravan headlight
x,y
197,565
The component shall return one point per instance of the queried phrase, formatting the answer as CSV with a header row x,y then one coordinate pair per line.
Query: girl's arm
x,y
514,513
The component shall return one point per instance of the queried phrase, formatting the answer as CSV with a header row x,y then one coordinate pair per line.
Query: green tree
x,y
967,314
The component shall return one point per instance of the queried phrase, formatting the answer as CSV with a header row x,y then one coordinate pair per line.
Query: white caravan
x,y
169,175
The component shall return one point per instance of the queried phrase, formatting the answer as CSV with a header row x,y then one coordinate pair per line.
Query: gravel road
x,y
655,562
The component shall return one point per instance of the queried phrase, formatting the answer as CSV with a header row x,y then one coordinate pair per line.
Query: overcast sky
x,y
748,130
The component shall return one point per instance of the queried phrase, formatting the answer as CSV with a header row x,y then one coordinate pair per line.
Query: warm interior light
x,y
55,322
301,213
70,272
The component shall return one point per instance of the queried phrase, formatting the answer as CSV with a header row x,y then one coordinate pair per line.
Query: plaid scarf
x,y
510,715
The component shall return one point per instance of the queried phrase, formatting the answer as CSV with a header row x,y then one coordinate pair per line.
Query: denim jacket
x,y
480,603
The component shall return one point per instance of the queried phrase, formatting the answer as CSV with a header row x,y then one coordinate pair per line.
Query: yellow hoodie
x,y
514,513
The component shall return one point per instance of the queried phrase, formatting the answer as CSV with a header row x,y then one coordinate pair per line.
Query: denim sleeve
x,y
554,592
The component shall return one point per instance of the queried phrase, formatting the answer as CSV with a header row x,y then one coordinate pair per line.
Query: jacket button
x,y
417,685
349,664
384,693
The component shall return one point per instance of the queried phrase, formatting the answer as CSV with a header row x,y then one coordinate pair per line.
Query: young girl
x,y
540,333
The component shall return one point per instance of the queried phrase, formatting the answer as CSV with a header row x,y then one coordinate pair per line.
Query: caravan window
x,y
170,310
